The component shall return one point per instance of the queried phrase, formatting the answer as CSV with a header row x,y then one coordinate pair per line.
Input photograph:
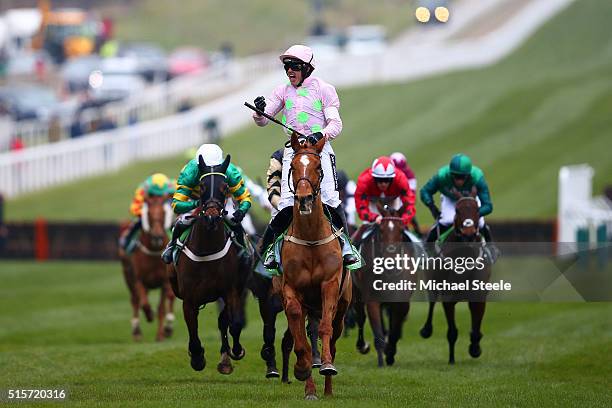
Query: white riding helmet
x,y
211,153
383,167
301,52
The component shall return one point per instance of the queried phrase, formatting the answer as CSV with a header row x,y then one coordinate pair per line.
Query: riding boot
x,y
277,226
486,233
492,252
126,238
339,221
178,229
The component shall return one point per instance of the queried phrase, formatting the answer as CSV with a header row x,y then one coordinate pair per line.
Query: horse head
x,y
213,192
466,217
306,172
392,225
156,218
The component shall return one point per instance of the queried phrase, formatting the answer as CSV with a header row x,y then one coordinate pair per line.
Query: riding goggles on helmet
x,y
293,64
383,179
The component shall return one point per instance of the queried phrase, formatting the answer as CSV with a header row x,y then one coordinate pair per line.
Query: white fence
x,y
40,167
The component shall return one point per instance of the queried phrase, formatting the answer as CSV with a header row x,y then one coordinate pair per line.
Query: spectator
x,y
16,144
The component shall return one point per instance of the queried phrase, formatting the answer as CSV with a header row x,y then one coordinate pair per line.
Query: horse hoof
x,y
198,362
238,356
285,381
328,369
475,350
311,397
316,362
225,368
364,349
168,331
272,372
451,361
389,360
302,374
426,332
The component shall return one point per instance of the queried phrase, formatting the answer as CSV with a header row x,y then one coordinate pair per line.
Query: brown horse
x,y
463,241
314,281
385,237
209,268
144,270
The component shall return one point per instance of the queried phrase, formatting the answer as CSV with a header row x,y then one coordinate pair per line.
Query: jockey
x,y
157,184
454,181
402,164
310,106
381,180
186,197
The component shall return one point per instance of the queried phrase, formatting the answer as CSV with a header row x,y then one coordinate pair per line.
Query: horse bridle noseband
x,y
315,190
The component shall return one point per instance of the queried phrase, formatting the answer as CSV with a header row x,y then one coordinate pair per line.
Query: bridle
x,y
315,190
212,202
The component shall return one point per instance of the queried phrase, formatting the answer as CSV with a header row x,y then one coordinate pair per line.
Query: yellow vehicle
x,y
66,33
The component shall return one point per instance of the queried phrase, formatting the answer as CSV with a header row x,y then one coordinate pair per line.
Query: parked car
x,y
75,72
23,102
151,60
187,60
28,63
110,87
365,39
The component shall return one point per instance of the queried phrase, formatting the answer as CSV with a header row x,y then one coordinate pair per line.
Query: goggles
x,y
293,65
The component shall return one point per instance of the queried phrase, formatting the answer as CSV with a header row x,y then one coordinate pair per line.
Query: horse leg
x,y
268,353
427,329
144,300
196,351
225,364
329,296
374,316
236,312
338,327
286,347
169,319
452,333
362,346
477,310
130,280
313,334
398,313
161,315
296,320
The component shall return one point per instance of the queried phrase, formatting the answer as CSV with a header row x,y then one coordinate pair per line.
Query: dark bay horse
x,y
209,269
386,237
145,271
463,241
270,305
314,281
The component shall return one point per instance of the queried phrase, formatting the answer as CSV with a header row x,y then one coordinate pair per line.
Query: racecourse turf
x,y
67,325
545,106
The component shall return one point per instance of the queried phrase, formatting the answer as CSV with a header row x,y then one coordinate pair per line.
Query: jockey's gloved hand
x,y
314,137
238,216
434,211
260,103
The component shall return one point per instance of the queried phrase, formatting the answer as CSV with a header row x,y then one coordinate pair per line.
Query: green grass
x,y
545,106
268,24
67,325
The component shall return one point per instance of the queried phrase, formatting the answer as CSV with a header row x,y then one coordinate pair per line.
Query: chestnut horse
x,y
314,281
386,237
209,268
144,270
463,241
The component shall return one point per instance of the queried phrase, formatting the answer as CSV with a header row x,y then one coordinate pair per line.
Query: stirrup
x,y
349,259
167,254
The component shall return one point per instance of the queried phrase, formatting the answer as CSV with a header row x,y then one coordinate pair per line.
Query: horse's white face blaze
x,y
303,189
305,160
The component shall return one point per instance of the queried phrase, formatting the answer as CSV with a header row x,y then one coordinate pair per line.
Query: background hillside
x,y
545,106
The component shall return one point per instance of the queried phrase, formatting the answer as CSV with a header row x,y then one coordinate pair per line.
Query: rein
x,y
148,251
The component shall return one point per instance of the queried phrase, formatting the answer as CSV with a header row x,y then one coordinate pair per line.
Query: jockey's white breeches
x,y
447,209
